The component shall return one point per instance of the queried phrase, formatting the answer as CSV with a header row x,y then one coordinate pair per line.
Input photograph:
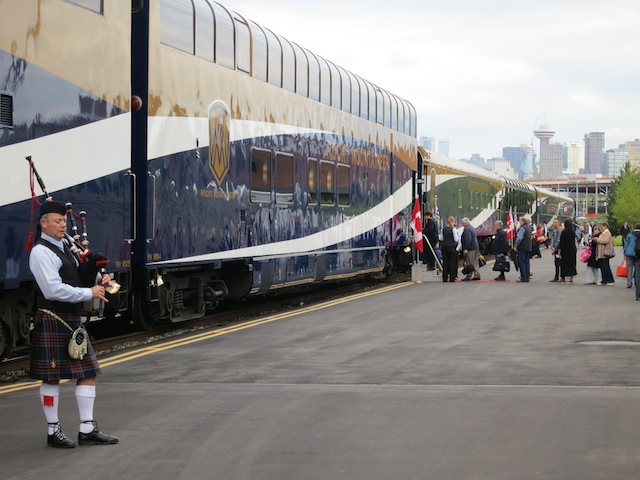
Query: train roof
x,y
467,168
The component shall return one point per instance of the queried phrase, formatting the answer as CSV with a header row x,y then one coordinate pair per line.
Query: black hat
x,y
52,207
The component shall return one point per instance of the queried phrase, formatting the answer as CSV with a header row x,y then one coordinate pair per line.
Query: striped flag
x,y
511,231
416,225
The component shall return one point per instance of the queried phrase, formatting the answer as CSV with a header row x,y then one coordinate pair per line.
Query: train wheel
x,y
3,341
141,318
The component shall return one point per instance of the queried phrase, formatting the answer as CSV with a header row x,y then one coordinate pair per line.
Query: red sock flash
x,y
48,401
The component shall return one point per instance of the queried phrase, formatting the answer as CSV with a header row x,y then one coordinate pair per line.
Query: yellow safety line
x,y
148,350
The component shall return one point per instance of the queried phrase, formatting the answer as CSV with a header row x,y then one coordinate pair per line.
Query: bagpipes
x,y
89,264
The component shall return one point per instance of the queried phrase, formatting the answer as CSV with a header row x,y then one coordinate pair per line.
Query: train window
x,y
312,187
355,95
302,71
224,37
380,111
459,198
327,196
275,59
288,66
93,5
372,103
336,88
6,110
364,99
346,90
314,76
393,108
344,185
204,30
401,115
259,52
284,178
243,45
412,121
260,175
325,82
176,24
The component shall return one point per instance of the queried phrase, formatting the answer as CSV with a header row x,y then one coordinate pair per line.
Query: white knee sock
x,y
49,397
86,397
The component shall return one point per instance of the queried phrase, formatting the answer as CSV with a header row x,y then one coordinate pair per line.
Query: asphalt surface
x,y
472,380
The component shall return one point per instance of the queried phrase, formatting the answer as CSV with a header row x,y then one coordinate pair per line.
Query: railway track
x,y
15,368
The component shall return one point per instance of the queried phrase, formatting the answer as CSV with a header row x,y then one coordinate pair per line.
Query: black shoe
x,y
500,279
475,278
466,279
96,437
58,439
554,280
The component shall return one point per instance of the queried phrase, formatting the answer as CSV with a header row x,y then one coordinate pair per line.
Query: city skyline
x,y
483,74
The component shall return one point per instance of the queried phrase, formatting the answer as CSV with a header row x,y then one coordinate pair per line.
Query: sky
x,y
487,73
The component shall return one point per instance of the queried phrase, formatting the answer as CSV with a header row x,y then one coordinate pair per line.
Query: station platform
x,y
467,380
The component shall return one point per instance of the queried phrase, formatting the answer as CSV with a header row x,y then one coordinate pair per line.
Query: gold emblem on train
x,y
219,142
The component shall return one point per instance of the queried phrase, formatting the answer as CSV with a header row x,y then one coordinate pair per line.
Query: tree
x,y
624,198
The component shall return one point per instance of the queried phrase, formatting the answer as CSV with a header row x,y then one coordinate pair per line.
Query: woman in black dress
x,y
567,251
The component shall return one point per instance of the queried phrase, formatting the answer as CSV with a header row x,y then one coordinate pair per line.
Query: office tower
x,y
550,155
435,145
574,153
429,143
443,146
633,149
521,159
593,147
612,161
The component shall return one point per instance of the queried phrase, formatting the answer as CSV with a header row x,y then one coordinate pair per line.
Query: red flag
x,y
416,225
511,231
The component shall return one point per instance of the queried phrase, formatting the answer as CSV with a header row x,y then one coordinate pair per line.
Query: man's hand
x,y
97,291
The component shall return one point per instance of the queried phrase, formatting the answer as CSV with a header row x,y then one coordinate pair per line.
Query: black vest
x,y
448,242
70,276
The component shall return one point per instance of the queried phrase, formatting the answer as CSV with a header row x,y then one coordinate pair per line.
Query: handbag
x,y
77,347
609,252
501,264
585,255
623,269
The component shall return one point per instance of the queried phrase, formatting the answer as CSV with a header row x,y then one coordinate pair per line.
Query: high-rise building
x,y
429,143
612,161
522,159
593,148
550,155
633,149
574,155
435,145
443,146
501,166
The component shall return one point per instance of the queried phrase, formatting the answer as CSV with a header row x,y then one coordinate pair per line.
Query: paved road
x,y
473,380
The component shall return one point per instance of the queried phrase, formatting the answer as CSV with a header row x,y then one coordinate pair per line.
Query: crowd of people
x,y
567,241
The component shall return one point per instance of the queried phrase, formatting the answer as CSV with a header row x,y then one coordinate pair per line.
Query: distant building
x,y
633,149
429,143
477,160
550,155
501,166
435,145
573,158
593,148
612,161
522,159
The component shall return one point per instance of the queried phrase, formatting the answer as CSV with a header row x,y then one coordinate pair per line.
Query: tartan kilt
x,y
50,358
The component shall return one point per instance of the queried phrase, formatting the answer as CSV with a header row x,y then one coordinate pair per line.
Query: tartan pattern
x,y
50,358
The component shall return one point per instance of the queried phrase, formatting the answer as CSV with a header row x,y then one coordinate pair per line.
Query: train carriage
x,y
214,158
460,189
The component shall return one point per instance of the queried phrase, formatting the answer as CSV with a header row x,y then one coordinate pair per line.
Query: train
x,y
215,159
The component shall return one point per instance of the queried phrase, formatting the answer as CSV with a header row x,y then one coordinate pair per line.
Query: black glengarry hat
x,y
52,207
